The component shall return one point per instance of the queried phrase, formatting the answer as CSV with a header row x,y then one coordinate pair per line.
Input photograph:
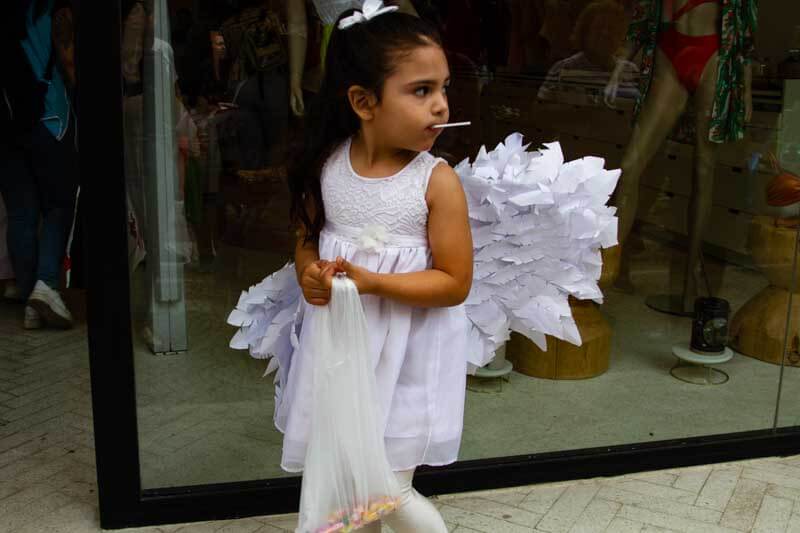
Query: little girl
x,y
371,201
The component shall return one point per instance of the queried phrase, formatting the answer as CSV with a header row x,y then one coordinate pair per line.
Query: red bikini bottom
x,y
688,54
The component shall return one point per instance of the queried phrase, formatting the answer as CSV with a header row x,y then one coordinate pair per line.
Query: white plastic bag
x,y
347,482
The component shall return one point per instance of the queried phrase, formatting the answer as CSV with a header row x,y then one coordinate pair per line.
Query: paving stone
x,y
774,515
569,506
660,505
659,491
501,511
743,506
663,520
623,525
718,488
542,498
659,477
479,521
692,479
597,516
794,524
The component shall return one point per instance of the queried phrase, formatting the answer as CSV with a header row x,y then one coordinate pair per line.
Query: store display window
x,y
660,301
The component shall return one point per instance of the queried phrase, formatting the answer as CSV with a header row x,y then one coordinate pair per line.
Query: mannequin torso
x,y
689,38
692,17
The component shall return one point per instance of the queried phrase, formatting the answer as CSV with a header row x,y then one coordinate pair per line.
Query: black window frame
x,y
123,502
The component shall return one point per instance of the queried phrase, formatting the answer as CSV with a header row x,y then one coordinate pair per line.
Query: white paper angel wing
x,y
268,316
538,225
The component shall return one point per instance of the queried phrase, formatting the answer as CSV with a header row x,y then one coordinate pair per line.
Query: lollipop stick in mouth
x,y
452,125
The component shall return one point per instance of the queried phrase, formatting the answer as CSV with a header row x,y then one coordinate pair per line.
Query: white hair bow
x,y
370,10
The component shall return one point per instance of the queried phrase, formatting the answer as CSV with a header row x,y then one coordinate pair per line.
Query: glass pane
x,y
693,221
781,268
213,98
208,216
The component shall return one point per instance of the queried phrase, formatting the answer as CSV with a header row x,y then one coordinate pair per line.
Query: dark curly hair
x,y
364,54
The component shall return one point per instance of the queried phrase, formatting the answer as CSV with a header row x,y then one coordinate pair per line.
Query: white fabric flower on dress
x,y
370,10
373,238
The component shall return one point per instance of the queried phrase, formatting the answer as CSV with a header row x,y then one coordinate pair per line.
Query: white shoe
x,y
32,319
50,306
11,292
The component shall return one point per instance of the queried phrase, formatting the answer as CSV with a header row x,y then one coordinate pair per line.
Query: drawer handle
x,y
738,170
733,211
672,157
619,147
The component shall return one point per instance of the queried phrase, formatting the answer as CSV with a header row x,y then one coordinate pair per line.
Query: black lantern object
x,y
710,325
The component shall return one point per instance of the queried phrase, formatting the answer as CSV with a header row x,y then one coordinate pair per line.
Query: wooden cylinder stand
x,y
611,259
758,329
563,360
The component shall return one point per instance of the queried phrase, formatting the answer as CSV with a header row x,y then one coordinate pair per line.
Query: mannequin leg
x,y
663,107
705,160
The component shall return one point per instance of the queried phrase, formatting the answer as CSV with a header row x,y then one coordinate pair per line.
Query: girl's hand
x,y
363,278
316,290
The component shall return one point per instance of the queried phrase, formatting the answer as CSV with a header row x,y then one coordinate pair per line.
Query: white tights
x,y
416,513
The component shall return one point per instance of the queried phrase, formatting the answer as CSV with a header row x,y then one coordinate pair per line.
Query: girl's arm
x,y
310,272
309,268
305,253
449,280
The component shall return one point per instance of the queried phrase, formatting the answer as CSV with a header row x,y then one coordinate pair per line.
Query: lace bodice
x,y
396,203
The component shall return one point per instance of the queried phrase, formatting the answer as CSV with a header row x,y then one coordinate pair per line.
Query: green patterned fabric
x,y
739,20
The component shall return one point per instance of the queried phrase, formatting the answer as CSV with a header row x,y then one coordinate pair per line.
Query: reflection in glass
x,y
597,73
215,93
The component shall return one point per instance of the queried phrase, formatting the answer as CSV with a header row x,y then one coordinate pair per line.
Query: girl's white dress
x,y
419,355
537,225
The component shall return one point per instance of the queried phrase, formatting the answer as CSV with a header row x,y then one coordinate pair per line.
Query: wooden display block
x,y
610,271
563,360
758,329
773,249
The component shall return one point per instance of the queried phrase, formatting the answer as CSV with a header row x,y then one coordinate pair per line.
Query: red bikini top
x,y
688,6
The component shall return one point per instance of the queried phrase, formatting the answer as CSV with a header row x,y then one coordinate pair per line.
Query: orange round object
x,y
783,190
